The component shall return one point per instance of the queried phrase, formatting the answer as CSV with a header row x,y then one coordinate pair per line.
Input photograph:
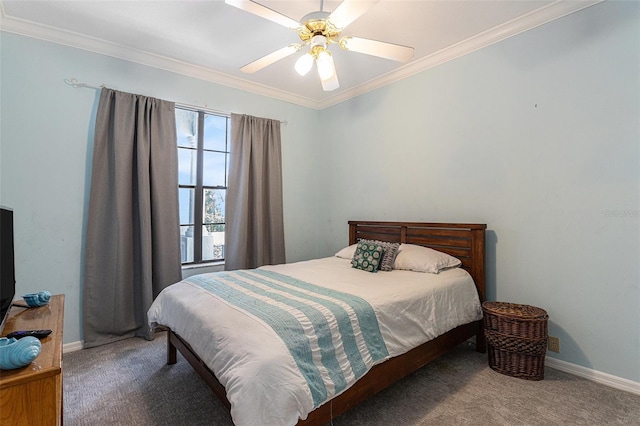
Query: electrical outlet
x,y
554,344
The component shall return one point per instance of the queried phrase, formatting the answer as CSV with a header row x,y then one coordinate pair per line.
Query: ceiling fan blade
x,y
264,12
395,52
350,10
270,58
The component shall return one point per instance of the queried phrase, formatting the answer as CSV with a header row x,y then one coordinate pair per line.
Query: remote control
x,y
24,333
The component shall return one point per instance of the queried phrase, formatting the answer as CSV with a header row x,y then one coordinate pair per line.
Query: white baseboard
x,y
595,376
72,347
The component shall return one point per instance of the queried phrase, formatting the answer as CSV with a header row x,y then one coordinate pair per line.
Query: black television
x,y
7,263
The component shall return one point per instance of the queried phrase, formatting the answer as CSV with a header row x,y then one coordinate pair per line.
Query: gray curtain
x,y
254,234
133,237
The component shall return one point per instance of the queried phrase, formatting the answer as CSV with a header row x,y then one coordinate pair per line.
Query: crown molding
x,y
526,22
95,45
514,27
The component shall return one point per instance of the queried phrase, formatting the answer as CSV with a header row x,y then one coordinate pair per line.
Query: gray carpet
x,y
129,383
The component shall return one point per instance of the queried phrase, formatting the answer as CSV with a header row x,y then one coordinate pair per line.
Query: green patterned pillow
x,y
367,257
390,251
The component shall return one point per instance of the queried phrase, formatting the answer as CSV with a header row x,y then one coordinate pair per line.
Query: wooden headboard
x,y
466,241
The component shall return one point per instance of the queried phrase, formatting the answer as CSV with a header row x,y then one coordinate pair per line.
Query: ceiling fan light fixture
x,y
317,31
330,84
303,64
326,68
319,40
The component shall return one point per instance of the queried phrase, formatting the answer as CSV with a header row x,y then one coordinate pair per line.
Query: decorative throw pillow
x,y
424,259
367,257
389,255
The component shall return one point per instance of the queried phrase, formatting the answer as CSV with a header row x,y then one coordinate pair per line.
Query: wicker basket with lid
x,y
516,339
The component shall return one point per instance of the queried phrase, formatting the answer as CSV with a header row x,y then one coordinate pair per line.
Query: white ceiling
x,y
212,40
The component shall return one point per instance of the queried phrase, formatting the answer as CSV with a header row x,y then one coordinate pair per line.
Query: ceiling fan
x,y
318,30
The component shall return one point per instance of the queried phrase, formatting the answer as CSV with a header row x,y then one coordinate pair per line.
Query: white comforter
x,y
263,383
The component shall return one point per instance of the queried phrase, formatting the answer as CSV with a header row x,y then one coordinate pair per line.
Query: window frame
x,y
199,187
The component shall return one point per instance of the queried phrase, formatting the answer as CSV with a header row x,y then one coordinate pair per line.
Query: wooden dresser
x,y
32,395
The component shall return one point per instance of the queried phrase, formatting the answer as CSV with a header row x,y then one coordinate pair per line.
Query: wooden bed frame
x,y
464,241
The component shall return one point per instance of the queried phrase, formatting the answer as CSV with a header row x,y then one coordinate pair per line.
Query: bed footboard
x,y
380,376
172,355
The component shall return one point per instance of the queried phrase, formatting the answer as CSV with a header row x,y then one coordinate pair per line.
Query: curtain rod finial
x,y
73,82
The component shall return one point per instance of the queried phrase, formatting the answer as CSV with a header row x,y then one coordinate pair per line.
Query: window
x,y
203,158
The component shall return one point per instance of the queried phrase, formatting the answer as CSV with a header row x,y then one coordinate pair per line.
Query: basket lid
x,y
514,309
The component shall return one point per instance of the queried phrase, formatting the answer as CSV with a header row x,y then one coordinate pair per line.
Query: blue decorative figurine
x,y
16,353
37,299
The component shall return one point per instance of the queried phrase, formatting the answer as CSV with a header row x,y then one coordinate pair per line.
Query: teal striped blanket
x,y
332,336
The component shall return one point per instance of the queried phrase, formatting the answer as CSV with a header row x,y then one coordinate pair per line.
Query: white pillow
x,y
347,252
423,259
